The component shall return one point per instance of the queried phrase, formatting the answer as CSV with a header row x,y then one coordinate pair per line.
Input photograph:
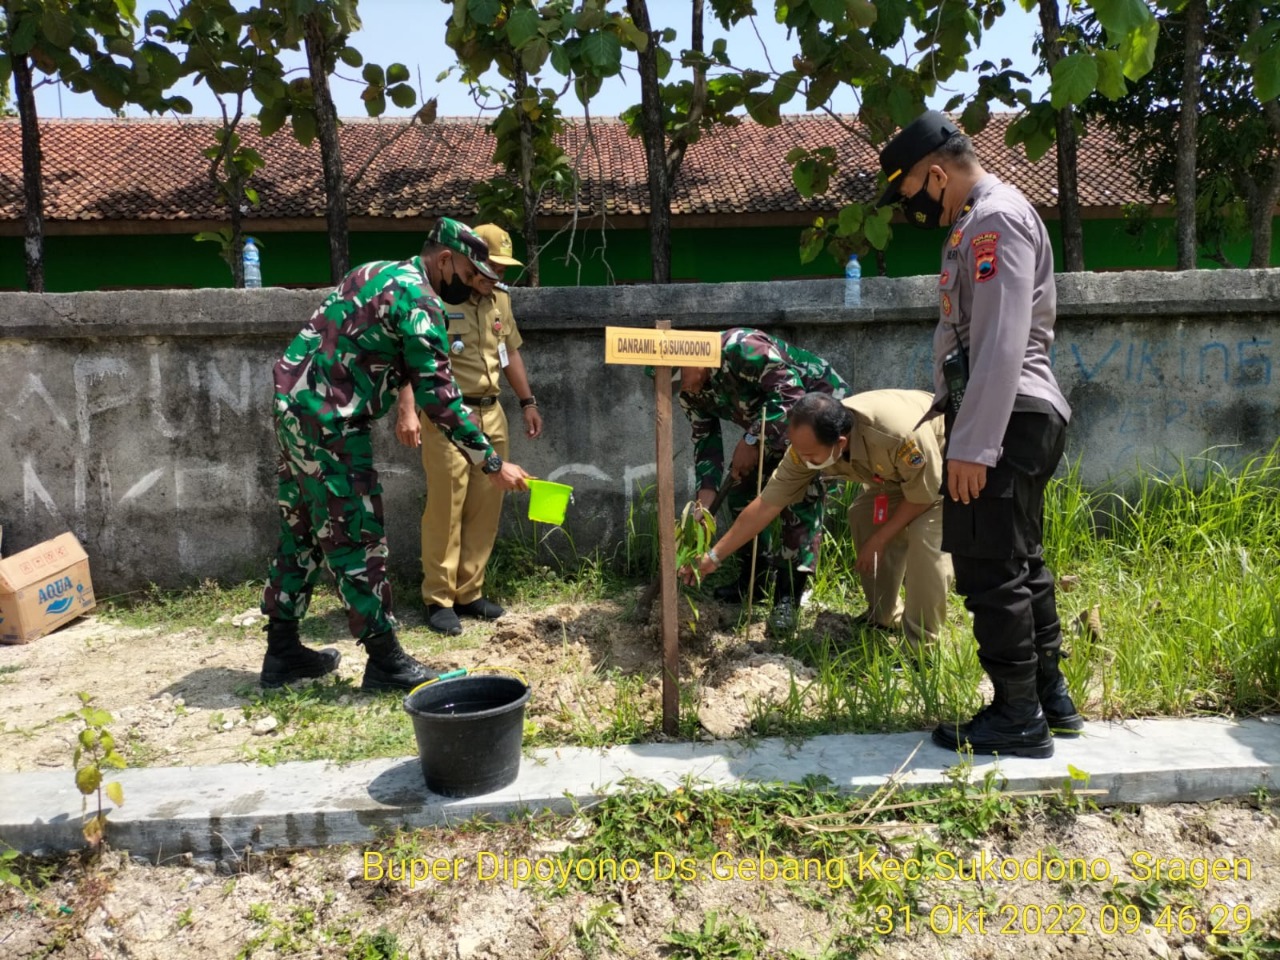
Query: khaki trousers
x,y
460,522
914,556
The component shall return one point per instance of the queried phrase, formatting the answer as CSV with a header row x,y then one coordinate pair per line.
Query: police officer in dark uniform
x,y
1006,424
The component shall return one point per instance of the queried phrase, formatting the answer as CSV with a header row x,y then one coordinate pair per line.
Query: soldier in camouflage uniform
x,y
760,377
380,331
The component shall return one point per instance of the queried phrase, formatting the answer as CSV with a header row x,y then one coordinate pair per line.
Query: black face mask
x,y
456,291
922,210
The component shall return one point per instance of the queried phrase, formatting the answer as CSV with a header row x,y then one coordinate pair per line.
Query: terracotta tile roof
x,y
153,170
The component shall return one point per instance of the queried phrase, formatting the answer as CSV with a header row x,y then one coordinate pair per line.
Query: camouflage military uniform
x,y
761,374
381,330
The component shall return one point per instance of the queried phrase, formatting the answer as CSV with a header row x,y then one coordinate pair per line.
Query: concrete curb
x,y
218,811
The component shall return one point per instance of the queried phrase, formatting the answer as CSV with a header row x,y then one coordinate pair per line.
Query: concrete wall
x,y
141,420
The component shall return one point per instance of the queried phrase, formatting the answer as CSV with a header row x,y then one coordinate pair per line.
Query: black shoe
x,y
443,620
783,618
288,661
390,668
1012,724
1055,699
482,609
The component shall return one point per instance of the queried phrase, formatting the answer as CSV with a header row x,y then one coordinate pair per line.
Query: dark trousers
x,y
995,544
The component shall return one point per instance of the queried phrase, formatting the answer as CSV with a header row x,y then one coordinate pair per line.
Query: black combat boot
x,y
288,661
1055,699
1012,724
389,667
789,591
736,592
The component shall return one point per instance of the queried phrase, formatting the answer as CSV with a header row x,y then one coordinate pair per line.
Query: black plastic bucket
x,y
469,732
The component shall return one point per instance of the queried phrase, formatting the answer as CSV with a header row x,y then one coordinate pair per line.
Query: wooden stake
x,y
755,541
667,549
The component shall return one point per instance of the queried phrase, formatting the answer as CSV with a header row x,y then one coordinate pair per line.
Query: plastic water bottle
x,y
252,264
853,282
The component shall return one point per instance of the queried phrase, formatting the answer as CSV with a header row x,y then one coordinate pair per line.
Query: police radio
x,y
955,373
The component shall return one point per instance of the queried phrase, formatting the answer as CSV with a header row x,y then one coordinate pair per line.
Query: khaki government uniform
x,y
460,522
890,452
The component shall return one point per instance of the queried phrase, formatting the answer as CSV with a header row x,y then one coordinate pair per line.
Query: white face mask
x,y
825,463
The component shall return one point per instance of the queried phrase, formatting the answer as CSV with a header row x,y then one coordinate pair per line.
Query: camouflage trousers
x,y
330,514
800,539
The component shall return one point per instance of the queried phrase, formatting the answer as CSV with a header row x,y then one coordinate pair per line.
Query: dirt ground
x,y
178,697
329,903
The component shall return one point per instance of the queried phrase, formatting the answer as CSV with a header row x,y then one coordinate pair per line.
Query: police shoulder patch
x,y
985,260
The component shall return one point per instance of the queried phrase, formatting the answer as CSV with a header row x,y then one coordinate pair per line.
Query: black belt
x,y
480,401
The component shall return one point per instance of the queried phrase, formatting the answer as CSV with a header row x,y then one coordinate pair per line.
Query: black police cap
x,y
923,135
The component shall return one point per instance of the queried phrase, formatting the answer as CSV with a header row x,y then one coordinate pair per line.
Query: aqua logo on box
x,y
57,595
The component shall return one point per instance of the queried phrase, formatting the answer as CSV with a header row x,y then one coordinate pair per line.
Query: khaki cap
x,y
499,242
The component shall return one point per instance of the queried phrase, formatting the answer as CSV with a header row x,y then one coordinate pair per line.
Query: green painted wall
x,y
618,256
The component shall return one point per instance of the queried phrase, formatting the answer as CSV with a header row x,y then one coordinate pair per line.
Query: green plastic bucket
x,y
548,501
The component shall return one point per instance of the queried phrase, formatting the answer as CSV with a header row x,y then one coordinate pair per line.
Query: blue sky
x,y
412,32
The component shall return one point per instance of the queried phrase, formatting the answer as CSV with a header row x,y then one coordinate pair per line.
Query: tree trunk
x,y
1263,212
237,235
1261,218
1184,182
654,147
1068,150
32,181
330,152
528,192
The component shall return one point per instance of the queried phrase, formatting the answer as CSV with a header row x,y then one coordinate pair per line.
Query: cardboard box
x,y
42,588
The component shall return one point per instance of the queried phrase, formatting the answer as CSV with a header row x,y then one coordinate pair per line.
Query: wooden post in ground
x,y
667,549
663,349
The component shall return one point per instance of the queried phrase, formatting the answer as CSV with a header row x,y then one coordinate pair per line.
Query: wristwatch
x,y
750,439
529,401
491,464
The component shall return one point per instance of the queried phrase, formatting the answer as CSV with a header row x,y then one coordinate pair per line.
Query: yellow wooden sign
x,y
644,346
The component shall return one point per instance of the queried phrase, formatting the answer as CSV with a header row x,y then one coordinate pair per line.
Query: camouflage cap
x,y
462,239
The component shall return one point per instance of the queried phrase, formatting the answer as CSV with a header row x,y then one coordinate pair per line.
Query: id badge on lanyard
x,y
880,508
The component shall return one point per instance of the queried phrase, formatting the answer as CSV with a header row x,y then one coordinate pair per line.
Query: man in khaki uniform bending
x,y
896,521
460,522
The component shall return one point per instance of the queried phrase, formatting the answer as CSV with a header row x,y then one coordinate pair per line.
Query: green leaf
x,y
1074,78
351,57
272,117
832,10
560,60
57,26
1138,50
637,38
850,219
251,195
664,63
1077,774
397,73
763,109
375,106
535,54
484,11
403,95
114,759
975,117
1111,82
1266,74
876,228
6,69
522,26
89,738
88,778
603,51
812,241
116,793
304,124
373,75
863,13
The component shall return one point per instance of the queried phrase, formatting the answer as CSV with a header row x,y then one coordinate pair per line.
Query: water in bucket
x,y
548,501
469,732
